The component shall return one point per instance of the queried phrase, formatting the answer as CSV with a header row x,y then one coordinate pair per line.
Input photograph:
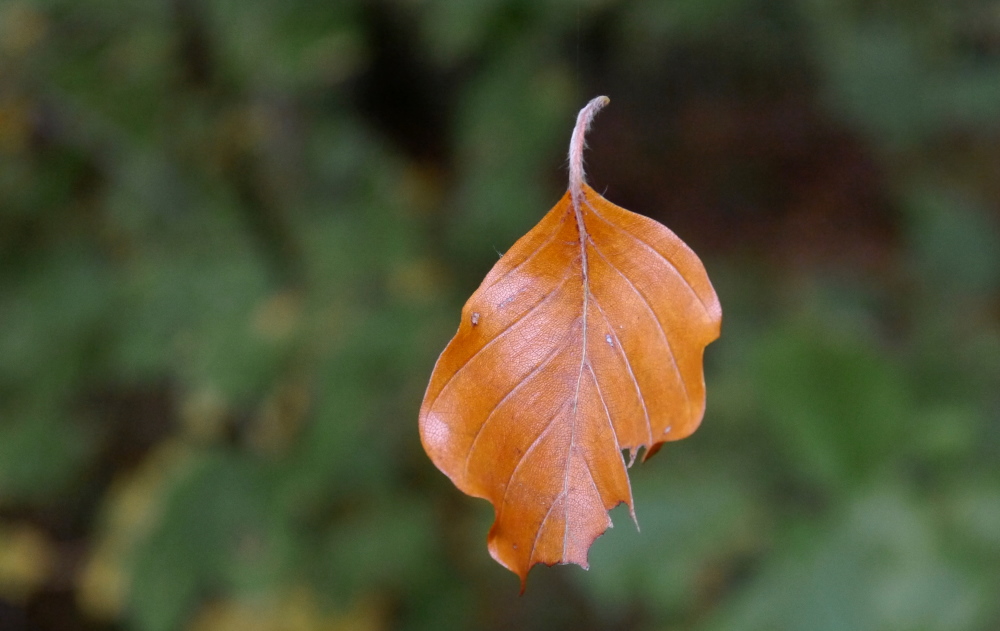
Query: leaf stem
x,y
577,144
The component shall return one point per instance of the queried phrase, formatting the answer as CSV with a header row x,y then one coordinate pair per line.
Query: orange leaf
x,y
585,339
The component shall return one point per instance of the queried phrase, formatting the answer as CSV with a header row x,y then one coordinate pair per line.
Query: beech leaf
x,y
585,340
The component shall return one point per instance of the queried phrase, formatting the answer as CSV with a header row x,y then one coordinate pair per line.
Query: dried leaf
x,y
585,339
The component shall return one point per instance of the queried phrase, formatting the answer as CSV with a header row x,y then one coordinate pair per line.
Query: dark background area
x,y
234,236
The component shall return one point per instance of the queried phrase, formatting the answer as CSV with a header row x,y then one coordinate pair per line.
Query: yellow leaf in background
x,y
132,508
22,27
296,610
26,561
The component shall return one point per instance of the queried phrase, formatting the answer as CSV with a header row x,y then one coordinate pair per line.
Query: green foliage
x,y
235,235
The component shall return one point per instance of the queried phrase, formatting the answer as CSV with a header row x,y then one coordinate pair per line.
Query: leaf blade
x,y
585,339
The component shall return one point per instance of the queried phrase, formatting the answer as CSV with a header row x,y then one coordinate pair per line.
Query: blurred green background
x,y
234,236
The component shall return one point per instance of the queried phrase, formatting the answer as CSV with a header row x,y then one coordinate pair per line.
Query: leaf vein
x,y
527,379
524,456
660,255
548,241
628,365
498,336
581,228
663,332
541,527
618,446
